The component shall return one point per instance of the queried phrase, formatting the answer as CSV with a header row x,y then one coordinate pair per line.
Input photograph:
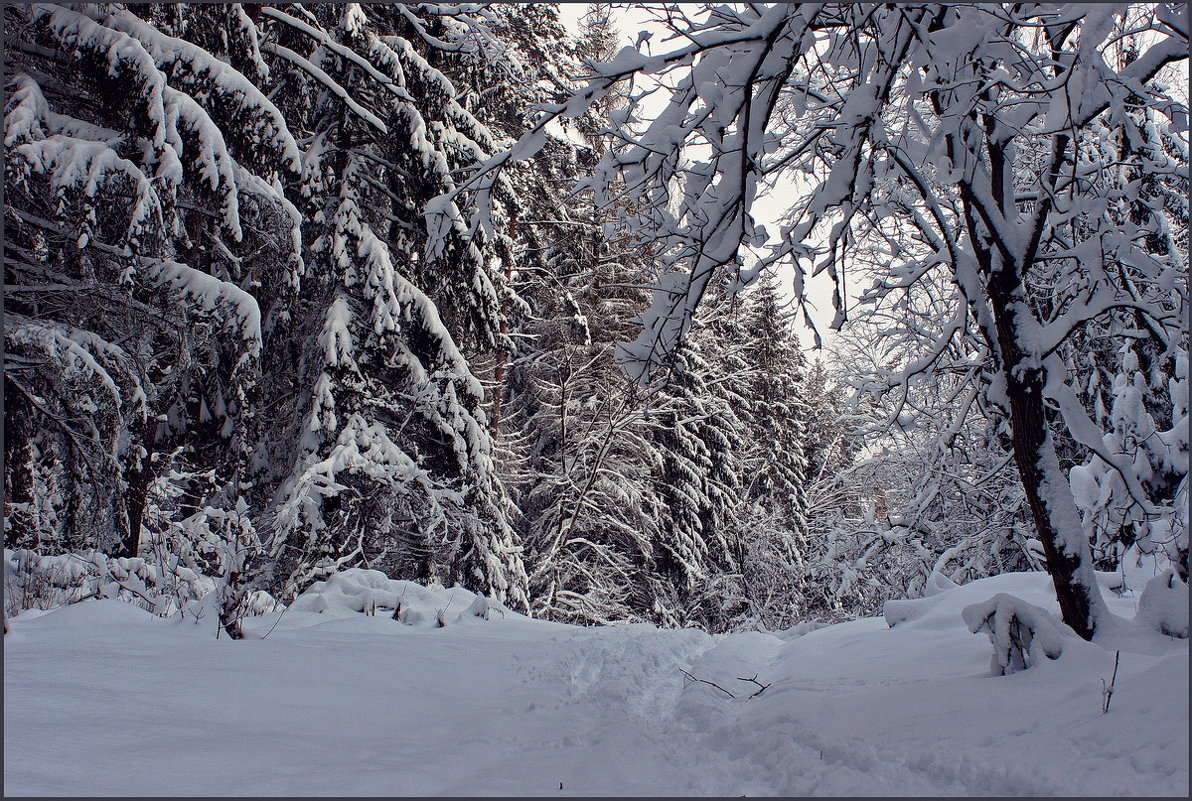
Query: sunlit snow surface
x,y
101,698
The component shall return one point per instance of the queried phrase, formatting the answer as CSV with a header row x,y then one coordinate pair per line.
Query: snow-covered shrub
x,y
1164,605
37,581
480,607
1021,633
28,586
238,545
363,591
48,581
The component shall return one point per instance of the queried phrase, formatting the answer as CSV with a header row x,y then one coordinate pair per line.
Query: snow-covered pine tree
x,y
829,444
780,414
503,72
587,491
687,546
703,442
389,457
1118,525
776,410
575,439
1134,370
142,213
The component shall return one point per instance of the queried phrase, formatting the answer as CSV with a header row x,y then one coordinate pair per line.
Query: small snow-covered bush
x,y
40,581
1021,633
360,590
37,581
1164,605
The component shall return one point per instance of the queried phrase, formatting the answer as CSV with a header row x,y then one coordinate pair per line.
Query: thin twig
x,y
705,681
279,617
1107,690
762,687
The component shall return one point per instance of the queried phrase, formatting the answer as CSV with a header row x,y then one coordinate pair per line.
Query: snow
x,y
190,67
209,294
1163,605
66,346
79,165
102,698
330,84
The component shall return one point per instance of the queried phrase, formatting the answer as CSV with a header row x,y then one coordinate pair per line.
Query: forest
x,y
507,299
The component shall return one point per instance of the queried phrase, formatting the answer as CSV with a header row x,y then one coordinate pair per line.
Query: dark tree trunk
x,y
230,610
1048,493
18,468
135,500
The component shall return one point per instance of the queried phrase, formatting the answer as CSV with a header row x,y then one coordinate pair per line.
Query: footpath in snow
x,y
102,698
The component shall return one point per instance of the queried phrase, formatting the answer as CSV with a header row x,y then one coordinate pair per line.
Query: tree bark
x,y
1048,494
136,498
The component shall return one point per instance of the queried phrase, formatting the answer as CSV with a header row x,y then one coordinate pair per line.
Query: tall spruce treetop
x,y
779,402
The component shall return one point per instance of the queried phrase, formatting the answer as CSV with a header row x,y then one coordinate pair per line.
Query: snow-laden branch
x,y
210,294
1090,435
328,83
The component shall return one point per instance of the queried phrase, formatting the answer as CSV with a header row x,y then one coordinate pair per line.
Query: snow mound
x,y
371,592
1164,605
905,609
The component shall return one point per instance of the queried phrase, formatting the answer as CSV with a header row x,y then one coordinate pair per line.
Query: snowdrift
x,y
333,696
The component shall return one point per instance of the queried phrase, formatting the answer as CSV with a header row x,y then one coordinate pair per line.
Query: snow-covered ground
x,y
101,698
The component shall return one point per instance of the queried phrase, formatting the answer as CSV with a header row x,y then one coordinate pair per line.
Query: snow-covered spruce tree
x,y
574,438
731,435
136,232
701,441
830,439
771,396
503,71
1119,527
1133,374
587,489
964,122
674,451
779,407
387,451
